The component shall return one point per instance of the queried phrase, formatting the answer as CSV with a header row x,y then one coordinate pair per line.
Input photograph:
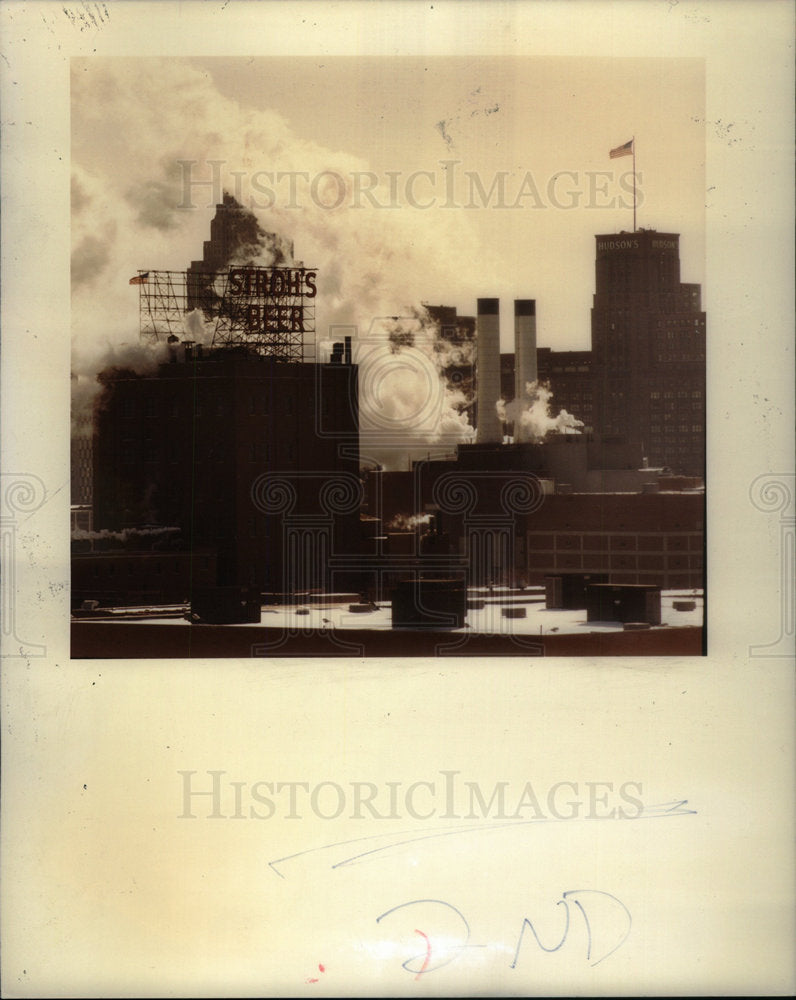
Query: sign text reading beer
x,y
273,297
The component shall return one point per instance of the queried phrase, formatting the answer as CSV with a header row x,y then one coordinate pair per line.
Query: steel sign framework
x,y
270,310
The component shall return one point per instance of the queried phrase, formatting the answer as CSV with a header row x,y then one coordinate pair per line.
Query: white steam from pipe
x,y
128,186
534,415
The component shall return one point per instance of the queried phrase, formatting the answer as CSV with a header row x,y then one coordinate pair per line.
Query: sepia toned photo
x,y
359,375
397,498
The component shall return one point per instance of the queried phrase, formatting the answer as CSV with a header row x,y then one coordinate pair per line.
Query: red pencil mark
x,y
428,953
312,979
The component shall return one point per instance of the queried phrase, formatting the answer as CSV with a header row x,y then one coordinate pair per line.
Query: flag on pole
x,y
626,150
140,279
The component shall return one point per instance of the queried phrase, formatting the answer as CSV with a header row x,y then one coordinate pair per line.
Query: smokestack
x,y
524,358
490,430
347,343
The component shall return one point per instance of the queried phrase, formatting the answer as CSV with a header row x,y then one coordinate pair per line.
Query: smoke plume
x,y
131,211
408,522
534,414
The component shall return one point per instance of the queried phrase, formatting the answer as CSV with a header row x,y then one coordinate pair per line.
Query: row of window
x,y
681,429
680,394
667,411
667,357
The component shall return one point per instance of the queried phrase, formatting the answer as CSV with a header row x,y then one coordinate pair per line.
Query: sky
x,y
404,180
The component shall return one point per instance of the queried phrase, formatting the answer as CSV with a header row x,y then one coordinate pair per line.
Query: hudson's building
x,y
648,343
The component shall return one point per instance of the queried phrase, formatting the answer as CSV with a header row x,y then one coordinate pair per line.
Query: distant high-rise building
x,y
571,378
648,344
236,238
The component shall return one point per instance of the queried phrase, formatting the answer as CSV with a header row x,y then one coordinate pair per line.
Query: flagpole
x,y
634,184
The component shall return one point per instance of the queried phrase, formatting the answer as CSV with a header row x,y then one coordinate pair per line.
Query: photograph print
x,y
387,357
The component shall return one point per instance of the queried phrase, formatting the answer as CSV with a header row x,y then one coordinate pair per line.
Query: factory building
x,y
508,513
636,538
241,444
254,458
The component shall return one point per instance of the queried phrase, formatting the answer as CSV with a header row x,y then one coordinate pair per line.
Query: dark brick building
x,y
633,537
496,510
571,378
648,342
254,458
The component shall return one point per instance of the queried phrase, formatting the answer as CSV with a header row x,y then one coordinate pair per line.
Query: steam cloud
x,y
128,186
535,416
125,535
408,522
